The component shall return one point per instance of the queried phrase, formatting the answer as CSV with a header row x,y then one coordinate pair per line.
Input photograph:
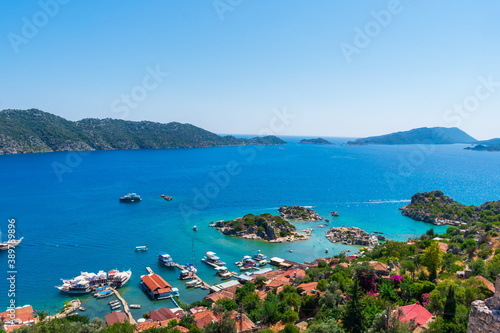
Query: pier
x,y
150,271
125,306
206,285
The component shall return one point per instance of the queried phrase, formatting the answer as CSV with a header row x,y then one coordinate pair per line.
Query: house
x,y
443,247
204,318
380,269
197,309
222,294
115,317
488,284
146,325
165,313
416,312
156,287
19,317
309,288
243,323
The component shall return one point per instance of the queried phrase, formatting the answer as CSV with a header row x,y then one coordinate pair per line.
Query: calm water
x,y
75,223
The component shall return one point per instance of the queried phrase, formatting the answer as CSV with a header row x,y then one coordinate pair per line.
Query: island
x,y
318,141
351,236
424,135
483,148
299,213
267,227
35,131
435,207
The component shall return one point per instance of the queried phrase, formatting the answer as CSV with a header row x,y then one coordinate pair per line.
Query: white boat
x,y
212,259
140,248
225,276
104,294
175,291
185,274
117,279
191,283
11,243
165,259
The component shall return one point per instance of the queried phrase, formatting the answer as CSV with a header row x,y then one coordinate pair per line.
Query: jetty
x,y
193,275
125,307
150,271
67,310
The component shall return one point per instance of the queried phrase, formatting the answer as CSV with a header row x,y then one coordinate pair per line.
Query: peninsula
x,y
435,207
424,135
299,213
483,148
35,131
271,228
318,141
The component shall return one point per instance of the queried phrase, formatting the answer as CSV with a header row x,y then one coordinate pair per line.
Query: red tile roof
x,y
308,287
204,318
25,314
488,284
115,317
145,325
155,282
181,329
11,328
163,314
245,323
443,246
221,294
378,266
416,312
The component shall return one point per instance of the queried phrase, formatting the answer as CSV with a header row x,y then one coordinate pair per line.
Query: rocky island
x,y
298,213
318,141
483,148
351,236
271,228
435,207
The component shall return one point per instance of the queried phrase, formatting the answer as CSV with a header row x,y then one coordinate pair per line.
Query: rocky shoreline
x,y
352,236
299,213
267,227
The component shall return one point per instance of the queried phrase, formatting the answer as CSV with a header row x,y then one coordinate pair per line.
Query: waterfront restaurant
x,y
156,287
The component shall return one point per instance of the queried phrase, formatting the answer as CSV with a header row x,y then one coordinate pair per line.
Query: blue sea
x,y
66,206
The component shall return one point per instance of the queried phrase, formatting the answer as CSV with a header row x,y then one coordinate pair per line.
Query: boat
x,y
221,270
185,274
259,256
104,294
166,197
195,228
140,248
135,306
165,259
191,283
117,279
175,291
225,276
77,286
204,287
81,308
238,263
113,302
131,197
117,306
212,259
11,243
262,263
248,261
326,250
192,268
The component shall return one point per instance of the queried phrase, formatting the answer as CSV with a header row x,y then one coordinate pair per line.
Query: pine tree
x,y
352,317
450,307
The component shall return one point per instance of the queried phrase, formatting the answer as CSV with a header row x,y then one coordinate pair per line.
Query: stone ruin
x,y
485,315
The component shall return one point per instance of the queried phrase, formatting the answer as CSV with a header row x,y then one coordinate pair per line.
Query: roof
x,y
443,246
222,294
198,309
308,287
163,314
244,324
488,284
276,259
11,328
155,282
25,314
378,266
147,324
269,275
115,317
225,285
204,318
416,312
181,329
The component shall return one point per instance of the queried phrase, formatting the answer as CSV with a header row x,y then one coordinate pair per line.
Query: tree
x,y
450,306
260,281
432,259
478,267
227,304
322,285
290,316
225,325
388,322
270,313
329,326
353,320
290,328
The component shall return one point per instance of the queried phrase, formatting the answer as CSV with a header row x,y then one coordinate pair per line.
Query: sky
x,y
324,68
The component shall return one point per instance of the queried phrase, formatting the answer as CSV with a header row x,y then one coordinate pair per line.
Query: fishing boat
x,y
212,259
185,274
259,256
165,259
113,302
140,249
131,197
192,268
117,279
11,243
117,306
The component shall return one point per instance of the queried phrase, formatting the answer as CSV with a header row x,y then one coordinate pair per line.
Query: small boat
x,y
11,243
326,250
166,197
191,283
113,302
165,259
135,306
131,197
238,263
185,274
290,251
195,228
204,287
114,307
192,268
262,263
81,308
221,270
140,248
106,293
175,291
259,256
225,276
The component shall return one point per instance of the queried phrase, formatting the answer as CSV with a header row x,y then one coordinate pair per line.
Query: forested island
x,y
265,226
318,141
35,131
483,148
299,213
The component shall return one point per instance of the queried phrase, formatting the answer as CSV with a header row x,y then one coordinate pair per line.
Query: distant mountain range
x,y
31,131
424,135
318,141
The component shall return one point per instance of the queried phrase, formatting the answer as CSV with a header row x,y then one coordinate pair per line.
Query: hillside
x,y
434,205
424,135
31,131
318,141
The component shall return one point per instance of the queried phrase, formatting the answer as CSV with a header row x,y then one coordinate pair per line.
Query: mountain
x,y
424,135
318,141
31,131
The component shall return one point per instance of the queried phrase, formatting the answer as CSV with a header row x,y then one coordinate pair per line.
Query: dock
x,y
193,275
125,306
150,271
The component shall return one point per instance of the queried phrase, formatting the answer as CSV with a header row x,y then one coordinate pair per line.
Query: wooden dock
x,y
193,275
150,271
125,306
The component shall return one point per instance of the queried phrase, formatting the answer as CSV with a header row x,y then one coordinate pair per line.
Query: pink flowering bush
x,y
396,280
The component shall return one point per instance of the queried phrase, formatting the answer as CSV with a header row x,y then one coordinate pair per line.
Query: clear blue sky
x,y
229,75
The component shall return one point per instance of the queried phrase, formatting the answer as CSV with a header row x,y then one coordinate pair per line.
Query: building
x,y
380,269
20,317
221,294
156,287
308,288
488,284
204,318
225,285
115,317
165,313
416,312
243,323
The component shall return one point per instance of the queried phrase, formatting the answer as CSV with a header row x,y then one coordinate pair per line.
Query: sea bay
x,y
66,206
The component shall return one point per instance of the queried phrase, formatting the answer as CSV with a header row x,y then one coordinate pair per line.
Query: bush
x,y
283,233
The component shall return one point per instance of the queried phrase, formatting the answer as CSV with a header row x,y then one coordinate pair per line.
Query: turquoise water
x,y
75,223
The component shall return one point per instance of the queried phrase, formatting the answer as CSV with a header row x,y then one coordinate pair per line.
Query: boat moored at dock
x,y
165,259
259,256
87,282
212,259
117,279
